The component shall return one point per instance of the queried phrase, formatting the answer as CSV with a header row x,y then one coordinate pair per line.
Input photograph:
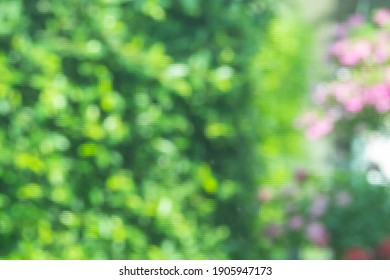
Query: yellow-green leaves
x,y
154,10
222,78
30,162
30,191
209,182
61,194
120,181
217,129
88,149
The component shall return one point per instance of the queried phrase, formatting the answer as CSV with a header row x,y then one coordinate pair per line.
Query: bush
x,y
129,128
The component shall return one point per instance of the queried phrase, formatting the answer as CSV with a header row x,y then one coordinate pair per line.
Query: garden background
x,y
190,129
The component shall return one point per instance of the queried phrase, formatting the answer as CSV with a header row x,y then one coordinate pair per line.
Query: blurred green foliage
x,y
283,63
365,222
130,129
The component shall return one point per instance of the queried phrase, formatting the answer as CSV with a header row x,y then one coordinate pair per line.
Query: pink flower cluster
x,y
313,230
317,124
352,97
307,221
382,17
317,233
363,76
351,52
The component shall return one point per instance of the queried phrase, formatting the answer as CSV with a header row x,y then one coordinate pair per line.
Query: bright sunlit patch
x,y
377,151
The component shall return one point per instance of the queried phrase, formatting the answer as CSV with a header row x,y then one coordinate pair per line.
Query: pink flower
x,y
306,119
387,76
301,175
340,30
351,53
382,106
382,16
272,231
354,105
320,94
379,97
381,53
319,206
358,51
355,20
295,222
381,49
317,125
334,113
265,194
317,233
339,47
319,128
343,91
343,198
